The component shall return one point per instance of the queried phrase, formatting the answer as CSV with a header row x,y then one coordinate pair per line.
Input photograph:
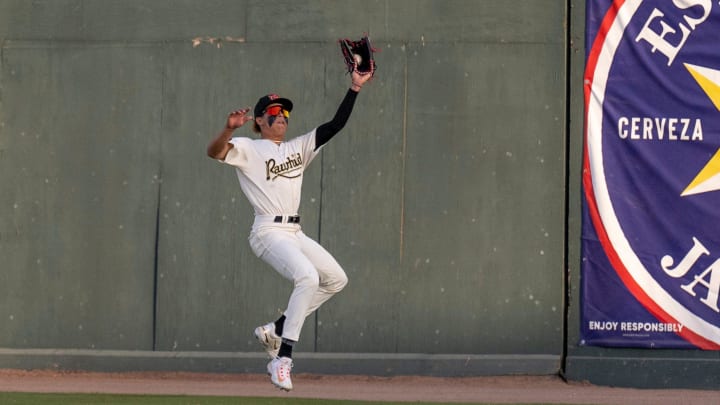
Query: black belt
x,y
290,219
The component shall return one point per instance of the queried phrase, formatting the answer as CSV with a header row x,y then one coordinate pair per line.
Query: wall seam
x,y
566,202
158,202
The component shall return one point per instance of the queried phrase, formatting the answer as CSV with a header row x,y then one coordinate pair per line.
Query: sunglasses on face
x,y
275,110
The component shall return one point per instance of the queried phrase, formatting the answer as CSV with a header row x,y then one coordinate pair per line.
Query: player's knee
x,y
338,283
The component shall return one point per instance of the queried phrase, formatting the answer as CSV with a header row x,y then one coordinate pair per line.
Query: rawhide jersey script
x,y
270,175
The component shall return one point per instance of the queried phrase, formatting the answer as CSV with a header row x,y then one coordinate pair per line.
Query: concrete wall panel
x,y
362,183
483,208
78,172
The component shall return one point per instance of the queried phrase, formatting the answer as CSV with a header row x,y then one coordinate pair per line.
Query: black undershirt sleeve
x,y
327,130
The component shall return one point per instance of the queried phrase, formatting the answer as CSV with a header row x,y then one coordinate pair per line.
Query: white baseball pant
x,y
317,276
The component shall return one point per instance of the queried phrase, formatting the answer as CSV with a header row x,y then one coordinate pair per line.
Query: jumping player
x,y
270,171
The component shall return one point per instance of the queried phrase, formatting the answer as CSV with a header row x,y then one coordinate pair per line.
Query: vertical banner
x,y
651,175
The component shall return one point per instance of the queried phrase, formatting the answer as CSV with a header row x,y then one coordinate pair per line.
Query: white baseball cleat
x,y
269,340
279,370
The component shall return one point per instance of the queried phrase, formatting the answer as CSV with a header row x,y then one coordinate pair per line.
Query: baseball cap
x,y
265,101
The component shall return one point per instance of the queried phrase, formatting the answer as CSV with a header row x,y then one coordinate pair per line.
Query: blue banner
x,y
650,273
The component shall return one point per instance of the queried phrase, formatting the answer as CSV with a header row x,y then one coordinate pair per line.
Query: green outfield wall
x,y
451,198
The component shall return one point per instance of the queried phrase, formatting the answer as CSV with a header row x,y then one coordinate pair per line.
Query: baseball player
x,y
270,171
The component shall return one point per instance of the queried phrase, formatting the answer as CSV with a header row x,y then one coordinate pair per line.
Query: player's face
x,y
274,121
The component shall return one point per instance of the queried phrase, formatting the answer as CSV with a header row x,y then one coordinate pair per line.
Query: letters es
x,y
668,37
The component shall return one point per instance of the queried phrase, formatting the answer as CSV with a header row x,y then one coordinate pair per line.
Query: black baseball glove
x,y
358,55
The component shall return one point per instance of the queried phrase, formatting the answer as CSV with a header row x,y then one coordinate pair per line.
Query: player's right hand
x,y
238,118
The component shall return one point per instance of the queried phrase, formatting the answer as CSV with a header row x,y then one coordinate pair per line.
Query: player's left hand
x,y
360,79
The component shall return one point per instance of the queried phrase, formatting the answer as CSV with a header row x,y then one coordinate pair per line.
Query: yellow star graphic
x,y
708,79
709,177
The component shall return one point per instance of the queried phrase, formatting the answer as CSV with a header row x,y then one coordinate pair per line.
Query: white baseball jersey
x,y
270,175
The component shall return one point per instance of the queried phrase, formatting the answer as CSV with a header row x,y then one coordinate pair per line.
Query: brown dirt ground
x,y
505,389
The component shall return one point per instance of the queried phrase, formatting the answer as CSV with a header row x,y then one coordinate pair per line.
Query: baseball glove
x,y
358,55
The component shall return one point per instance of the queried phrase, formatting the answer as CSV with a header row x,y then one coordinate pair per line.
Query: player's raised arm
x,y
360,61
327,130
220,145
